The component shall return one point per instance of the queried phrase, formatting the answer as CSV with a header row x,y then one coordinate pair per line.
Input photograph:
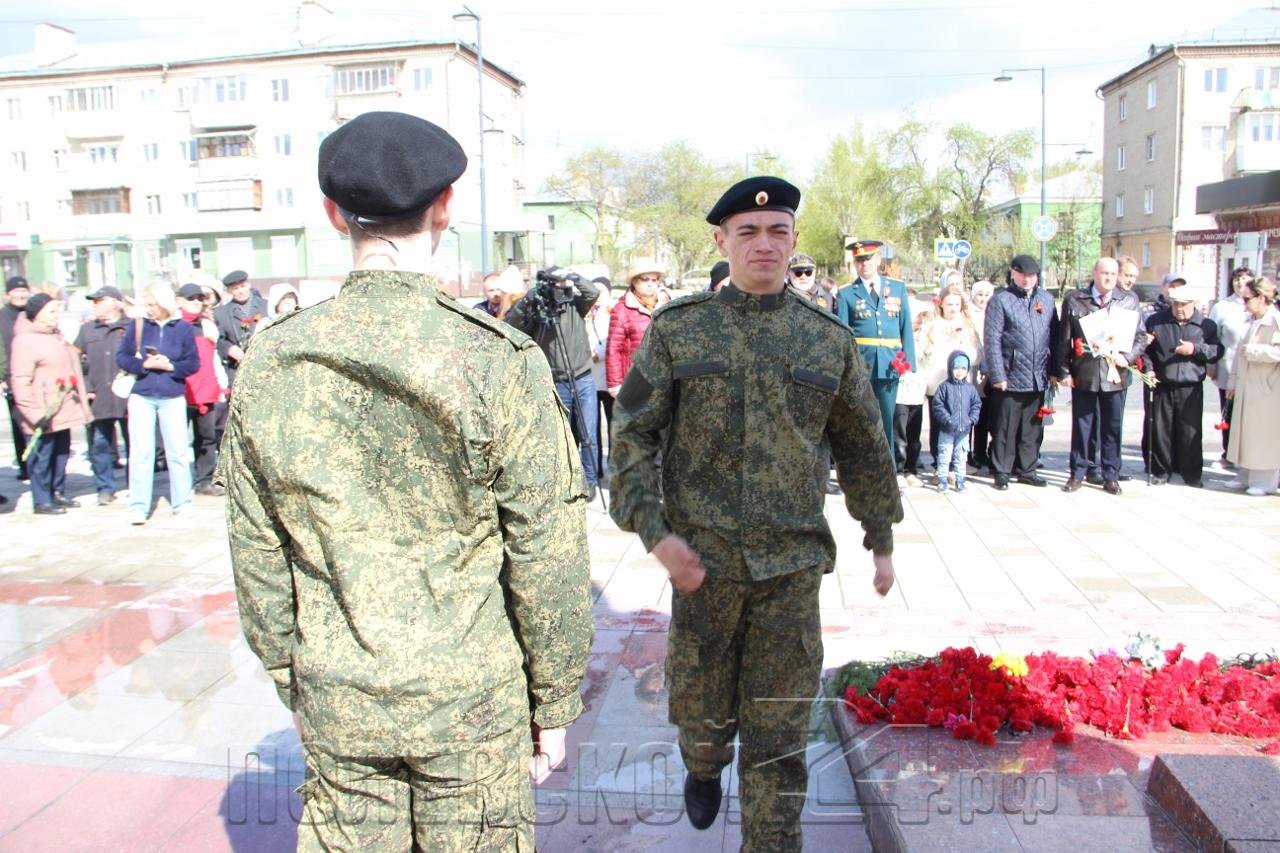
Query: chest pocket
x,y
702,384
810,395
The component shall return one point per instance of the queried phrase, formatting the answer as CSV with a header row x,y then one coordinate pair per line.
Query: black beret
x,y
36,303
234,277
386,166
1025,264
14,283
759,193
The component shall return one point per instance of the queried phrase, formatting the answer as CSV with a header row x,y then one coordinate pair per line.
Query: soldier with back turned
x,y
406,518
745,392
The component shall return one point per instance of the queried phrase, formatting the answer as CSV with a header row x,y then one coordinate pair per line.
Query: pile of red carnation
x,y
959,689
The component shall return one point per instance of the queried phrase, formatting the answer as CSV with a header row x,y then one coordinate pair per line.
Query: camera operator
x,y
553,313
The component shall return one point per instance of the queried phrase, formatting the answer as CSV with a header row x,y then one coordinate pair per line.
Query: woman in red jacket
x,y
203,390
48,389
630,319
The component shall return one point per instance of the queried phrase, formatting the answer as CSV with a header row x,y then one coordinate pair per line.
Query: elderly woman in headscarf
x,y
630,319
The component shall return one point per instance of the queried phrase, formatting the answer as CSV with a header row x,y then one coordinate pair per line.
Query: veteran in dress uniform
x,y
878,311
744,392
406,518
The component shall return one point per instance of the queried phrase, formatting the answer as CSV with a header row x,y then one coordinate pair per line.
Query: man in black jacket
x,y
237,320
1181,344
1098,382
98,341
16,293
568,351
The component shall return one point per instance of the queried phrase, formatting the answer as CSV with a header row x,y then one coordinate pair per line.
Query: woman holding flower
x,y
162,361
1253,393
48,391
952,329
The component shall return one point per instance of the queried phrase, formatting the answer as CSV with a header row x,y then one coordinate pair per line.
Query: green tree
x,y
848,198
589,180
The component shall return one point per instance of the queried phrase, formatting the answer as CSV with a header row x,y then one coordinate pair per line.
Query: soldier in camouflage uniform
x,y
745,392
406,518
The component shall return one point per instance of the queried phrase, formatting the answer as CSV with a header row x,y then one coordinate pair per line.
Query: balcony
x,y
228,168
227,116
239,194
83,172
1257,157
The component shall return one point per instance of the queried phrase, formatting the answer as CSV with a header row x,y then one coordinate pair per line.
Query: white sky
x,y
735,76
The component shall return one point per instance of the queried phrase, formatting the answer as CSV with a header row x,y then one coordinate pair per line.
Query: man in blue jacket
x,y
1018,333
878,311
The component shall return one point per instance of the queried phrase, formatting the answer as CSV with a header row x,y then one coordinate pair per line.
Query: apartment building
x,y
1192,113
116,166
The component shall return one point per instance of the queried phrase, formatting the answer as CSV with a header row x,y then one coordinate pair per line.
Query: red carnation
x,y
1272,748
1078,344
1064,737
1222,426
965,731
1039,308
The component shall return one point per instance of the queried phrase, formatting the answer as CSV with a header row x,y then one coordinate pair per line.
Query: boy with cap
x,y
878,311
1181,344
406,520
745,391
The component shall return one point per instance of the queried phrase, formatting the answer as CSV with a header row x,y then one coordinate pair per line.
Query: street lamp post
x,y
1004,78
466,16
746,161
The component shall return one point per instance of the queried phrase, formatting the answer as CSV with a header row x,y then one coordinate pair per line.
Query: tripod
x,y
550,318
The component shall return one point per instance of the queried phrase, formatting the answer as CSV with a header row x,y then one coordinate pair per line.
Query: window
x,y
1266,78
96,202
189,201
151,151
1120,206
231,145
1263,127
220,90
153,205
284,197
103,154
1124,107
551,222
356,79
1151,147
284,146
189,150
1120,161
1213,137
88,99
421,78
148,96
24,210
1215,79
1149,200
1146,255
20,161
59,156
280,89
1151,95
13,108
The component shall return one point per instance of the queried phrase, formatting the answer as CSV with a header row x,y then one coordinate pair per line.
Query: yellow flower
x,y
1015,665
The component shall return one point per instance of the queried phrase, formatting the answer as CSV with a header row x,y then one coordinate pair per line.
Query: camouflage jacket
x,y
406,518
745,395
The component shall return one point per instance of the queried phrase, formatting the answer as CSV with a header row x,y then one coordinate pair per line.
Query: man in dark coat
x,y
1098,377
98,341
16,293
1017,336
237,320
1181,344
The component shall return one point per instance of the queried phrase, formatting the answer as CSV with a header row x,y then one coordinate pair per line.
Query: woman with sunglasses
x,y
1255,403
630,319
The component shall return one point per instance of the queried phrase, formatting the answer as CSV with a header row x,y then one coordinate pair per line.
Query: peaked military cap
x,y
864,248
386,166
759,193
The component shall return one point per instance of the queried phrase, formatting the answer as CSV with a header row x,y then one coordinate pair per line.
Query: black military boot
x,y
701,800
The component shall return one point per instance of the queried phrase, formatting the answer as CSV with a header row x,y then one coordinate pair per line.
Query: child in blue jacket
x,y
956,408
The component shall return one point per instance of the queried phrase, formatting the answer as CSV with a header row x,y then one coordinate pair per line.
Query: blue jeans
x,y
953,449
583,389
102,452
47,466
171,413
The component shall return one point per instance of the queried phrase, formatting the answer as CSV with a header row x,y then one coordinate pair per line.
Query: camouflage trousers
x,y
745,657
478,799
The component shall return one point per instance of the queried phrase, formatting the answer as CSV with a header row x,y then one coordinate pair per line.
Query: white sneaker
x,y
913,480
137,516
1255,492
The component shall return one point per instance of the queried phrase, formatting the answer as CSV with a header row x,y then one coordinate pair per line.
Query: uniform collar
x,y
731,295
388,283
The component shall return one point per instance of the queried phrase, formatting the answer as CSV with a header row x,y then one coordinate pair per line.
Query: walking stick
x,y
1151,426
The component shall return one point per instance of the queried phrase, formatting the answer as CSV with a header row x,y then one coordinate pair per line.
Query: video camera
x,y
554,291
